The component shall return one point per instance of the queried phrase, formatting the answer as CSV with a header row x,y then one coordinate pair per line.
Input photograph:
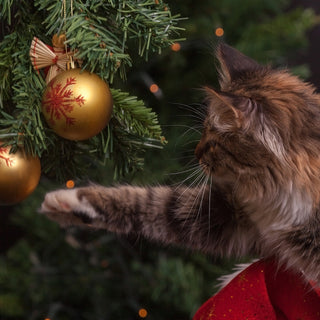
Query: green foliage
x,y
103,33
101,30
131,112
131,125
290,27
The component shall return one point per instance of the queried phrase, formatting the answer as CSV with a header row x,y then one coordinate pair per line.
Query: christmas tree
x,y
102,36
49,273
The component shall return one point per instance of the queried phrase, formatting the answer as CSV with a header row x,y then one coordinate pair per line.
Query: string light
x,y
151,85
176,46
219,32
143,313
70,184
154,88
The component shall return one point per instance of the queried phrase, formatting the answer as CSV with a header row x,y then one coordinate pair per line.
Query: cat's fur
x,y
260,145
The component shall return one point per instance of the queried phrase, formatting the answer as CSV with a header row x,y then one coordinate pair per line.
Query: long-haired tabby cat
x,y
261,147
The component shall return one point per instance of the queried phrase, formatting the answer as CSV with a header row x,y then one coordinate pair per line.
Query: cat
x,y
260,146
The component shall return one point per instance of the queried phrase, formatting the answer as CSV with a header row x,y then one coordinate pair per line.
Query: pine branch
x,y
134,116
6,63
100,32
102,40
5,11
132,130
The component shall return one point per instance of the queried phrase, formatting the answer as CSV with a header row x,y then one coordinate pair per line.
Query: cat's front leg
x,y
67,208
197,218
123,209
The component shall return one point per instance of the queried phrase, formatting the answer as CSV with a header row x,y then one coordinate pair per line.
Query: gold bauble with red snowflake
x,y
77,104
19,175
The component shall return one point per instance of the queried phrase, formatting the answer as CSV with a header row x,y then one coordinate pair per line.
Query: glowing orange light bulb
x,y
143,313
219,32
176,46
69,184
154,88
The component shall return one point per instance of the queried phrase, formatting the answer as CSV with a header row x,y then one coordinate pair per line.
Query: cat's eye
x,y
213,145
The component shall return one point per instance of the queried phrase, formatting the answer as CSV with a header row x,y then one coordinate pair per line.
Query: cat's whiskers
x,y
200,195
192,143
198,113
187,170
196,121
196,183
201,192
185,157
209,209
195,171
196,109
191,165
190,128
197,129
205,167
199,181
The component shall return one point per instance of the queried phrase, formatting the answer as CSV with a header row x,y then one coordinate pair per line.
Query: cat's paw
x,y
66,208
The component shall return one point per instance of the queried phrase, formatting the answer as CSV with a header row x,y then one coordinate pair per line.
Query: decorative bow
x,y
55,58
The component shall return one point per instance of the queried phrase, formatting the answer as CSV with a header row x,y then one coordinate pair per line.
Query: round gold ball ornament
x,y
19,175
77,104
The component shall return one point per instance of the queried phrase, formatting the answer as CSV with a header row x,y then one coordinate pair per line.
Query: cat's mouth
x,y
218,174
206,167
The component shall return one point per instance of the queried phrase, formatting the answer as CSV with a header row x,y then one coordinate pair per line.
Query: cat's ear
x,y
233,64
232,111
228,113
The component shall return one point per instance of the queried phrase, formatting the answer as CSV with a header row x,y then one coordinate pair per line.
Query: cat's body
x,y
260,145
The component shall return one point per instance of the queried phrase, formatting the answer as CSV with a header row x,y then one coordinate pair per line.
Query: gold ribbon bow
x,y
43,56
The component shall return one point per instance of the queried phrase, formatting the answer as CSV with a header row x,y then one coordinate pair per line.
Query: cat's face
x,y
262,124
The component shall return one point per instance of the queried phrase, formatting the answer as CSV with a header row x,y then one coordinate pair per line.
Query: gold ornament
x,y
77,104
19,175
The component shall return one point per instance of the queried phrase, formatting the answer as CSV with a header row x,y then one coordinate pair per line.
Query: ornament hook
x,y
71,63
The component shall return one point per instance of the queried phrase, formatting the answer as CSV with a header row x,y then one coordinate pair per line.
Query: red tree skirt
x,y
264,291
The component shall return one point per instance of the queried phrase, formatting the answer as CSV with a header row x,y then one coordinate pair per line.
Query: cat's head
x,y
262,125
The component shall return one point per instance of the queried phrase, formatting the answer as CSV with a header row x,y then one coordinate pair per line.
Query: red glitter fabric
x,y
264,291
